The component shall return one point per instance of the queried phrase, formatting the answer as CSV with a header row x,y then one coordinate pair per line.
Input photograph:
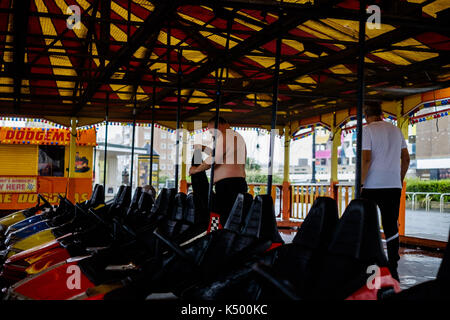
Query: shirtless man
x,y
229,167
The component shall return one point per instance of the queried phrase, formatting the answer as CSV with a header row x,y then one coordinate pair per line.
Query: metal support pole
x,y
362,39
216,119
106,143
276,78
336,142
94,162
150,182
313,178
177,145
132,142
216,125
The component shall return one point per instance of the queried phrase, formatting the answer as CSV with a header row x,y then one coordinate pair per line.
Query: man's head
x,y
372,111
222,124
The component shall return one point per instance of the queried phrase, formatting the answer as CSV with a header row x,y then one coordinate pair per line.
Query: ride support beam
x,y
177,144
402,121
313,164
150,178
336,142
133,138
21,11
286,191
152,25
276,78
105,154
402,124
72,154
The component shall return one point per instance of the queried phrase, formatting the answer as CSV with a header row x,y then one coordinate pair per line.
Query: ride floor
x,y
415,265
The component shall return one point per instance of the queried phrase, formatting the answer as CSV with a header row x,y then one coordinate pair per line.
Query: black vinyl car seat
x,y
356,245
135,201
97,197
239,212
299,261
125,198
121,202
206,257
294,263
194,217
137,216
163,204
169,226
269,229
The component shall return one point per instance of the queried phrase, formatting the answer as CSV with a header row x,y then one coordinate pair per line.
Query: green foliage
x,y
162,179
439,186
250,164
257,177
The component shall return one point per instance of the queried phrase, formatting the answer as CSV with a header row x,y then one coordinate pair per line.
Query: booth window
x,y
51,161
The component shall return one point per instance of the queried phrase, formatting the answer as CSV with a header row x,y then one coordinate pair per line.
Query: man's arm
x,y
202,167
404,163
365,164
204,149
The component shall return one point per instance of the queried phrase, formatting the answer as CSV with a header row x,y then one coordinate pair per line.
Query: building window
x,y
163,167
163,135
163,146
170,146
163,156
147,135
51,161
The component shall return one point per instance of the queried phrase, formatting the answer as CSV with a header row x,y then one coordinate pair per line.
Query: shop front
x,y
37,160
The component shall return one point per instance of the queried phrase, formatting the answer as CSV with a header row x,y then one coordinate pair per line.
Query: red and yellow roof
x,y
124,49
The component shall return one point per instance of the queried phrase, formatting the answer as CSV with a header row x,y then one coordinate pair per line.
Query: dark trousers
x,y
226,192
388,200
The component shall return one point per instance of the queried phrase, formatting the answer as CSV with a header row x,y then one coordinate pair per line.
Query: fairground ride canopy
x,y
59,62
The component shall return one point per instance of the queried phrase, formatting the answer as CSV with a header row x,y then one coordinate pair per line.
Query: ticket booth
x,y
36,160
144,170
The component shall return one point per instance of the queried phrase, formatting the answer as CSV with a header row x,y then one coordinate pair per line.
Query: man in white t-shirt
x,y
385,161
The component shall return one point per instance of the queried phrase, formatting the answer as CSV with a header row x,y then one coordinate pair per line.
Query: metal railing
x,y
303,196
345,194
413,197
441,201
277,194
